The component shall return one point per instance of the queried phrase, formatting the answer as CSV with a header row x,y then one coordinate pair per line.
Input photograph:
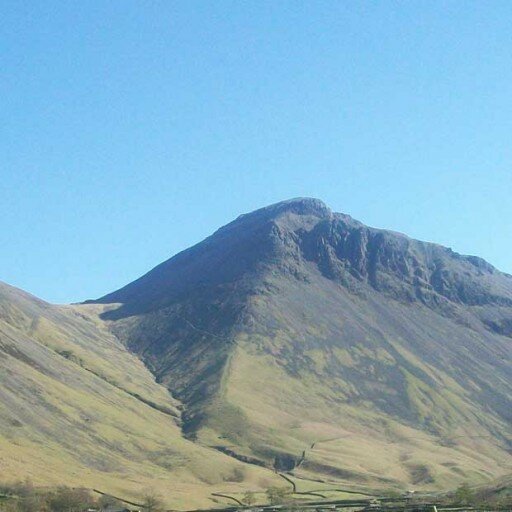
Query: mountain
x,y
294,339
302,339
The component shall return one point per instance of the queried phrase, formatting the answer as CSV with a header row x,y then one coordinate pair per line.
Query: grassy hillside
x,y
77,408
371,408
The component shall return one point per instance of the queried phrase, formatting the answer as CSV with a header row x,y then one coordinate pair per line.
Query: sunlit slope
x,y
76,408
300,338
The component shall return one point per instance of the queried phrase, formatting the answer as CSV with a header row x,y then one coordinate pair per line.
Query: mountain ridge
x,y
352,249
303,259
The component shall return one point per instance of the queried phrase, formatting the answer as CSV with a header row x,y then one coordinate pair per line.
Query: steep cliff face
x,y
294,324
410,271
389,262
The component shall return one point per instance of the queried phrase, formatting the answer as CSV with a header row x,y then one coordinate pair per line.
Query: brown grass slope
x,y
77,408
303,339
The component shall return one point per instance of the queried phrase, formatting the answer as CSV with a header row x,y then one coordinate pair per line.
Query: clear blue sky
x,y
130,130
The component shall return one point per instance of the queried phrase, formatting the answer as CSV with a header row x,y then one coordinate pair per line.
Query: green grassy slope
x,y
370,398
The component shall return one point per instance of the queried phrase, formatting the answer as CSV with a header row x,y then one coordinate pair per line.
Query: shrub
x,y
66,499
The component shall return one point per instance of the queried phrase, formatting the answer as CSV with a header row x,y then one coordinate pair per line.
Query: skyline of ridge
x,y
283,203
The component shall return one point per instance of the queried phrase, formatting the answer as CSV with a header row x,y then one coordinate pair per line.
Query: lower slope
x,y
77,408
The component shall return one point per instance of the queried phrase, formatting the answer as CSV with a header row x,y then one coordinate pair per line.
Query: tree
x,y
33,503
249,498
464,495
107,501
9,506
152,502
277,495
28,499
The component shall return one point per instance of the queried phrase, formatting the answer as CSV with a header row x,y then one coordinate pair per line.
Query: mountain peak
x,y
297,205
302,205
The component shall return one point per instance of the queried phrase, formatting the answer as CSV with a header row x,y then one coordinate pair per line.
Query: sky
x,y
131,130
